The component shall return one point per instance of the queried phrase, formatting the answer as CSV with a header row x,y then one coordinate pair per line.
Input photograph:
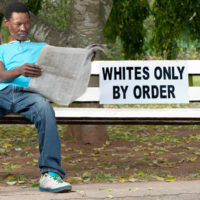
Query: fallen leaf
x,y
6,163
159,178
11,182
66,157
10,178
141,173
16,166
86,175
135,189
86,180
63,145
18,149
6,145
82,193
192,159
132,180
122,180
170,179
68,149
21,182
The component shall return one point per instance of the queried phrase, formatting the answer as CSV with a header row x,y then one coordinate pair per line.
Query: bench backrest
x,y
92,93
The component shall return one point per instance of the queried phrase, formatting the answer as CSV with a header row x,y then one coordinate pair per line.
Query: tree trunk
x,y
87,21
86,27
44,32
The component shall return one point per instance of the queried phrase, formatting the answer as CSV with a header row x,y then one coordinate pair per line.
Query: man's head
x,y
17,19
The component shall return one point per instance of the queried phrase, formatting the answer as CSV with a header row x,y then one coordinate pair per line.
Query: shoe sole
x,y
61,189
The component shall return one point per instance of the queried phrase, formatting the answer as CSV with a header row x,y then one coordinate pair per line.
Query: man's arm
x,y
27,70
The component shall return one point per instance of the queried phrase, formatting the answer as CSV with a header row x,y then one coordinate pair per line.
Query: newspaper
x,y
66,73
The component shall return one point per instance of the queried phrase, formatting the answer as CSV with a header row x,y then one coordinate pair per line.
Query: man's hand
x,y
30,70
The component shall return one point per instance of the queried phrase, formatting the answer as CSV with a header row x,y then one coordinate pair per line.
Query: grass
x,y
103,176
141,133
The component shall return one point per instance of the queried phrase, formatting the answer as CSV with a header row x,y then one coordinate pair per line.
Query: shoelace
x,y
57,178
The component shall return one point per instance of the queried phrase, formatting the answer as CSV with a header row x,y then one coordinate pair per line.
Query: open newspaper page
x,y
66,73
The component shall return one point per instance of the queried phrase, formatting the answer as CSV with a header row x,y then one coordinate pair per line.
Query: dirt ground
x,y
133,153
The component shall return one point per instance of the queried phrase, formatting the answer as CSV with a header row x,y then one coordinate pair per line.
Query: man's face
x,y
18,25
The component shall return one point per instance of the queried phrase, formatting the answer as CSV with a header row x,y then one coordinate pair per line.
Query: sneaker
x,y
52,182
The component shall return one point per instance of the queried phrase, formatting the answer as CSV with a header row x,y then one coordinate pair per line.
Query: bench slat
x,y
194,93
117,116
193,67
128,113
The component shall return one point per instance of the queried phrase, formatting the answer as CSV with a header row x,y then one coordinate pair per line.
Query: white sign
x,y
143,82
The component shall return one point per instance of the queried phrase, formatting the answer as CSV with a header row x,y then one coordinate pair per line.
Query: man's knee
x,y
43,106
43,112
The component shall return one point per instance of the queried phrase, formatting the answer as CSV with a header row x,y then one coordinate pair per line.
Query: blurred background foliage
x,y
170,29
126,22
136,29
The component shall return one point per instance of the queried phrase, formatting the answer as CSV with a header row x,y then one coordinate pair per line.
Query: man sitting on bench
x,y
17,65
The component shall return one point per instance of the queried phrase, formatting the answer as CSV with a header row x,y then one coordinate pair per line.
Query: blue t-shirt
x,y
15,54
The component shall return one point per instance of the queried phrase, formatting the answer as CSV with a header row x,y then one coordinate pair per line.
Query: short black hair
x,y
18,7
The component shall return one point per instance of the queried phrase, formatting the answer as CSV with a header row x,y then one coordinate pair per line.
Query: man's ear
x,y
5,21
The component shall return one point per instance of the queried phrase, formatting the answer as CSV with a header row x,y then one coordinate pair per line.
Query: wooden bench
x,y
91,115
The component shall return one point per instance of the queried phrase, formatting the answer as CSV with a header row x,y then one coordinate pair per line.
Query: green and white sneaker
x,y
52,182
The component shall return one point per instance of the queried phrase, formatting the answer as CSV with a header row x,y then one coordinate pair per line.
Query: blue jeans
x,y
34,107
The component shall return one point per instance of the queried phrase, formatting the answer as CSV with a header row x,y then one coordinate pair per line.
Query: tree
x,y
127,22
173,20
